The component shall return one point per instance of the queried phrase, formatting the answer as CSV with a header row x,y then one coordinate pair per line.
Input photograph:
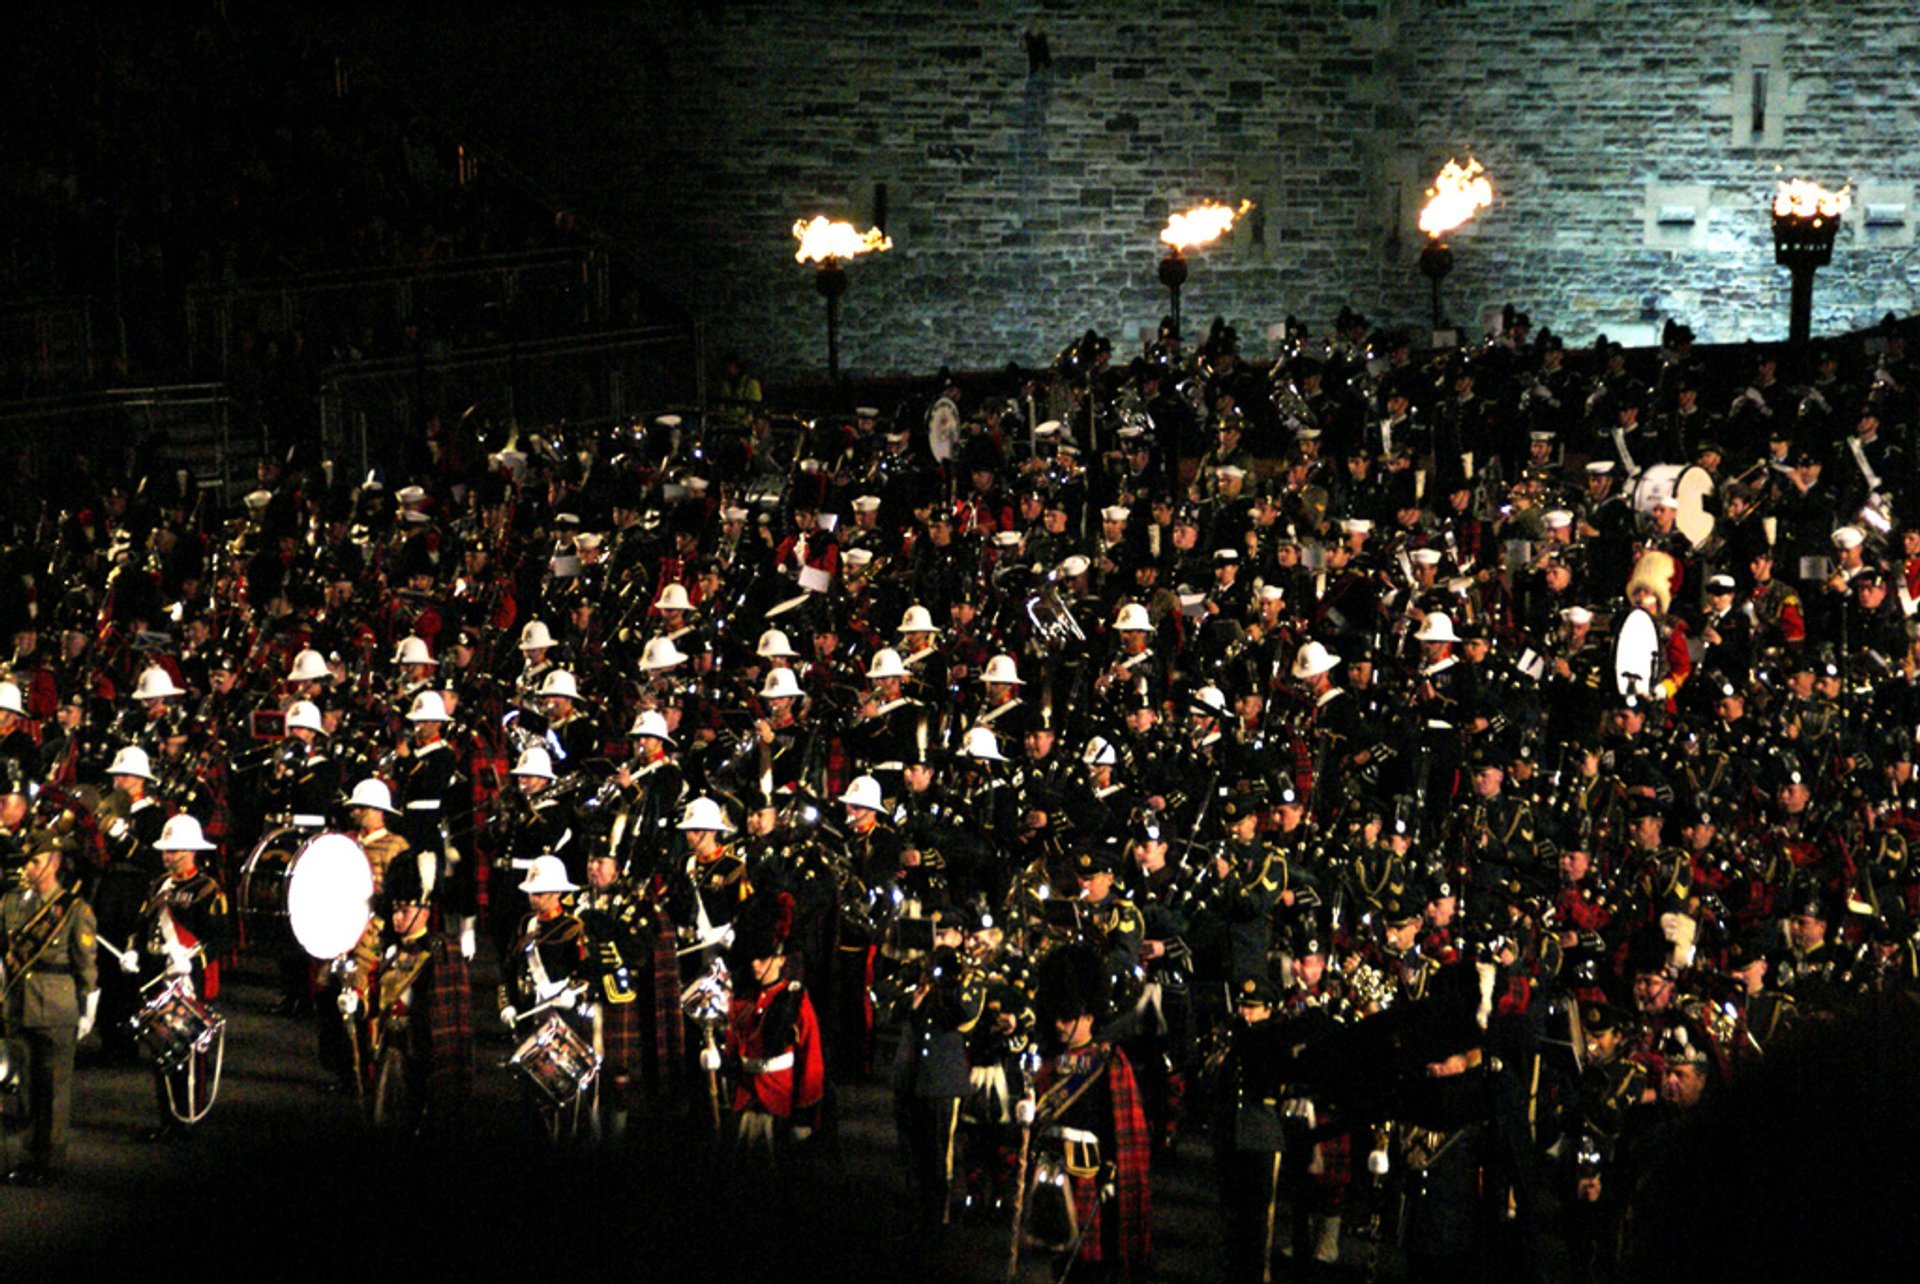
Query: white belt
x,y
769,1066
424,804
307,821
1078,1136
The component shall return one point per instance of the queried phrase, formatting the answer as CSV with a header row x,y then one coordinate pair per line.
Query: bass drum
x,y
1636,654
315,891
263,888
329,895
1689,486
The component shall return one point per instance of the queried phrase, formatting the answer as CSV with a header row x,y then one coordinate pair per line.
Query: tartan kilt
x,y
1333,1172
621,1048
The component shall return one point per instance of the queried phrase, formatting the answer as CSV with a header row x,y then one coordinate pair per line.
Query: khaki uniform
x,y
50,953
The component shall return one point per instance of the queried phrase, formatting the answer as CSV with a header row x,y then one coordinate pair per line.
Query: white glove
x,y
568,998
709,1058
87,1017
467,940
1024,1112
179,961
508,1016
349,1002
801,1134
1753,395
1678,929
1681,932
1377,1163
129,962
1487,973
118,829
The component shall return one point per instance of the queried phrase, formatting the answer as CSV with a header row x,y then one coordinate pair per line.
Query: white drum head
x,y
1636,652
1691,491
329,895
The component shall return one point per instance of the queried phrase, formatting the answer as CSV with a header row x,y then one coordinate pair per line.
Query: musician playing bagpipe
x,y
1089,1198
422,1018
618,919
773,1037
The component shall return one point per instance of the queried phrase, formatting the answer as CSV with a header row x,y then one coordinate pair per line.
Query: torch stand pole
x,y
1173,275
1436,260
1800,306
1802,244
831,282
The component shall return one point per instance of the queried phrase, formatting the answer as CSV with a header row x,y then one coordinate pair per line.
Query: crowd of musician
x,y
1428,779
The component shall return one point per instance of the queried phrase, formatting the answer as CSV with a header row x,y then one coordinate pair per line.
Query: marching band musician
x,y
119,890
939,998
430,789
1247,1136
572,735
536,661
710,887
620,955
652,786
996,1049
876,856
546,968
773,1037
346,1040
1117,929
537,822
1088,1125
422,1018
185,931
371,806
49,999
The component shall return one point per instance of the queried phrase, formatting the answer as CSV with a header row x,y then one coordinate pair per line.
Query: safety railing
x,y
378,413
465,303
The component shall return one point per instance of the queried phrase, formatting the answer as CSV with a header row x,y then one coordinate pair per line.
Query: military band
x,y
1423,777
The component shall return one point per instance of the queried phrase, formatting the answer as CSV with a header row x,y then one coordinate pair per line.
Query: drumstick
x,y
543,1006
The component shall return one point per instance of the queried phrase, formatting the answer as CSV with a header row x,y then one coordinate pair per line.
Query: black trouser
x,y
1249,1181
928,1128
49,1080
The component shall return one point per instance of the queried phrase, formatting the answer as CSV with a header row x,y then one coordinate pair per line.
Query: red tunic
x,y
765,1028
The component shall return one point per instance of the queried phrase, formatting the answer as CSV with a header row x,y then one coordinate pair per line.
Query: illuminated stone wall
x,y
1624,135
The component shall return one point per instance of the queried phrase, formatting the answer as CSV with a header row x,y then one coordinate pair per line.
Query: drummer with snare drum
x,y
546,966
185,928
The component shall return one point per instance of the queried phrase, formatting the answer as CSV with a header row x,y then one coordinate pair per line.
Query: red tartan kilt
x,y
620,1038
1086,1211
1336,1169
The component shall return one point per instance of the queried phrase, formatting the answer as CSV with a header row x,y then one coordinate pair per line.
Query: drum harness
x,y
170,937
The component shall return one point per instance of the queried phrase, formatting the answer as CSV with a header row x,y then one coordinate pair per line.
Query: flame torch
x,y
1458,193
827,243
1190,230
1806,219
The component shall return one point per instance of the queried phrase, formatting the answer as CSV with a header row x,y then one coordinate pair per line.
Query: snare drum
x,y
556,1061
174,1027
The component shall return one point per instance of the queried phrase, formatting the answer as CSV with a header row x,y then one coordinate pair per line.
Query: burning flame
x,y
1803,198
1203,224
1460,192
822,238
